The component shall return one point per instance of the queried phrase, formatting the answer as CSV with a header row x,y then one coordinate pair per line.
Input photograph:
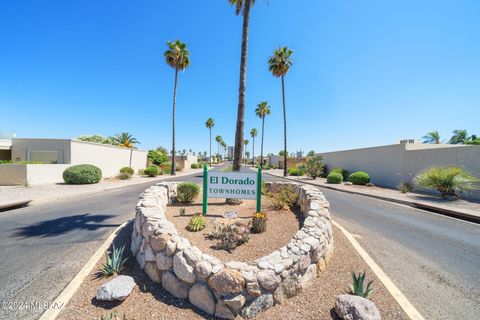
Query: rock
x,y
192,255
235,303
170,248
312,242
348,183
201,297
304,262
237,265
321,266
217,268
116,289
227,281
159,242
350,307
268,279
279,268
152,271
287,289
203,269
223,311
149,254
141,259
164,262
230,215
258,305
308,276
182,269
176,287
253,289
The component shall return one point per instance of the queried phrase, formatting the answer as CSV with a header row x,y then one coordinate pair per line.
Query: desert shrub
x,y
157,157
259,222
284,197
450,181
126,173
141,172
197,223
82,174
313,167
187,192
152,171
335,178
230,235
114,263
359,178
405,187
194,166
167,167
295,172
343,172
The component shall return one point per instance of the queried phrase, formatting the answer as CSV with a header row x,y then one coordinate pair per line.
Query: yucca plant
x,y
259,222
197,223
114,263
450,181
357,286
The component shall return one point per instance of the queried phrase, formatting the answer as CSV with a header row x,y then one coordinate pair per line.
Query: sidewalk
x,y
12,195
466,210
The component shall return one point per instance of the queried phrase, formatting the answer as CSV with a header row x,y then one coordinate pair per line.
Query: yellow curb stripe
x,y
391,287
72,287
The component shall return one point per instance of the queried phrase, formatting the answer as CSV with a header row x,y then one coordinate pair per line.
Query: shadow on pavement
x,y
55,227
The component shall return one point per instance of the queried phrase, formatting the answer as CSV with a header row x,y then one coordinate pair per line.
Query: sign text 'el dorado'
x,y
240,185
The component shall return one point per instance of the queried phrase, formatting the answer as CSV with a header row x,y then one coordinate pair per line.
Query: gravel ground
x,y
281,227
150,301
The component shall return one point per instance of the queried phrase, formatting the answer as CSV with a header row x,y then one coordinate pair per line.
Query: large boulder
x,y
258,305
176,287
116,289
227,281
350,307
182,269
268,279
201,297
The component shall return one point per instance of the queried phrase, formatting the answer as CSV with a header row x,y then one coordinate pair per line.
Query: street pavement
x,y
434,260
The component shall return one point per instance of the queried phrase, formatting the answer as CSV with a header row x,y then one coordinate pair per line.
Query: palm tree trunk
x,y
210,147
261,146
285,156
237,159
253,152
131,154
173,171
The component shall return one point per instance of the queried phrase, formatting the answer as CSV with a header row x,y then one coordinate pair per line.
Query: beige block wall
x,y
31,174
389,165
108,158
13,174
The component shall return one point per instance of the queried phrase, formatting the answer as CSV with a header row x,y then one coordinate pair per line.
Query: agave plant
x,y
114,263
358,284
450,181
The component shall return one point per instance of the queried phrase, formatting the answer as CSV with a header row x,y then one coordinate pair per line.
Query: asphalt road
x,y
434,260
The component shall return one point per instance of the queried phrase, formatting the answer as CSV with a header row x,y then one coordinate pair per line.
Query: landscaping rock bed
x,y
225,290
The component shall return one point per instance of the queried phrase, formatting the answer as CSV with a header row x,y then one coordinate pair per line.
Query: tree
x,y
253,134
224,145
97,138
162,149
247,155
178,57
219,140
473,139
262,110
126,140
184,152
431,137
157,157
245,142
313,167
311,153
209,124
282,153
241,6
279,64
459,137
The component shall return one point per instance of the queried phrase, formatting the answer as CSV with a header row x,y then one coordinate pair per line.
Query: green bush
x,y
152,171
141,172
335,178
167,167
359,177
127,170
342,171
194,166
295,172
157,157
405,187
82,174
187,192
284,197
313,167
449,181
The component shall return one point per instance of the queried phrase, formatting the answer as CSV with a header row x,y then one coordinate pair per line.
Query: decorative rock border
x,y
225,290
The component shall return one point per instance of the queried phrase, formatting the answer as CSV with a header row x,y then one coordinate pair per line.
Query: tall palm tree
x,y
224,145
262,110
209,124
459,137
245,142
178,57
431,137
241,6
279,64
219,140
253,134
126,140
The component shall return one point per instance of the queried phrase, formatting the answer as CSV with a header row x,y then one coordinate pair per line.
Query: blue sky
x,y
365,72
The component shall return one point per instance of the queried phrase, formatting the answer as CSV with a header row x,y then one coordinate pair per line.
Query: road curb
x,y
404,303
72,287
447,212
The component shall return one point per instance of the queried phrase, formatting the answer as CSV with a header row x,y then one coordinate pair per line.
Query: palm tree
x,y
209,124
263,110
219,140
224,145
126,140
245,142
459,137
431,137
178,57
279,64
241,6
253,134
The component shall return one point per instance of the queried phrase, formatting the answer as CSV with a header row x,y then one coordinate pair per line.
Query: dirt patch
x,y
150,301
281,227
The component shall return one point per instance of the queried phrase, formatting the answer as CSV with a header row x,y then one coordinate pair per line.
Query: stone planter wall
x,y
225,290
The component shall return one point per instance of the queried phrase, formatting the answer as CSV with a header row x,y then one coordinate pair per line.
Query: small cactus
x,y
197,223
259,222
357,286
182,211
